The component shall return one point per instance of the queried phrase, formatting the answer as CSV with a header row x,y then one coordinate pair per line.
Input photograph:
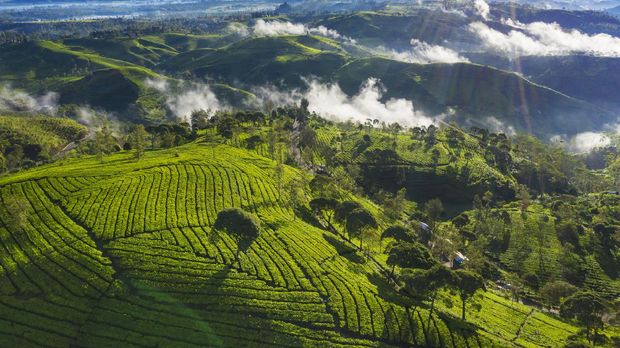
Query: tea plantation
x,y
122,253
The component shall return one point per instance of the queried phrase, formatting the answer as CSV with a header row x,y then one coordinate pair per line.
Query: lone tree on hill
x,y
104,142
242,226
400,233
138,139
588,308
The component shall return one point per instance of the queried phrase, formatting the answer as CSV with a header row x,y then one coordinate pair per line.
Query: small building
x,y
457,259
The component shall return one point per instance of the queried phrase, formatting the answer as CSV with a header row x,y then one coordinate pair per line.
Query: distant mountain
x,y
615,11
591,22
570,4
82,73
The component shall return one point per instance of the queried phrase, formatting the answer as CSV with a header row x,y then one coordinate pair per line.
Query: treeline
x,y
12,32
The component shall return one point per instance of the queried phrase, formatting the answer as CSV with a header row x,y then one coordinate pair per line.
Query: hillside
x,y
395,30
263,60
35,138
122,252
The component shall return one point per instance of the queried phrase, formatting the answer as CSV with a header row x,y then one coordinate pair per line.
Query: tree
x,y
399,233
554,293
199,120
343,210
523,195
428,283
325,207
433,209
360,221
15,157
467,284
253,142
304,104
410,255
323,186
588,308
225,127
394,206
104,142
242,226
138,139
307,138
444,241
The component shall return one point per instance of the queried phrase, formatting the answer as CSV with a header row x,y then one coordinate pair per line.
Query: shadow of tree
x,y
345,250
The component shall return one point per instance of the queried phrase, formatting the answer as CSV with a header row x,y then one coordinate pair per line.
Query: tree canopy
x,y
242,226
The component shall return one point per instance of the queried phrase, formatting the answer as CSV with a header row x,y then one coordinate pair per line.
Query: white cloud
x,y
12,100
422,52
482,8
238,29
187,98
329,101
588,141
279,28
497,126
544,39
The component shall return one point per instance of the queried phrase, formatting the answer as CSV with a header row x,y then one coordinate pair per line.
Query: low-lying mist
x,y
12,100
328,100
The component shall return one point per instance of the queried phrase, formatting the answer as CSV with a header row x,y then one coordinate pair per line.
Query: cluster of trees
x,y
357,221
422,275
106,141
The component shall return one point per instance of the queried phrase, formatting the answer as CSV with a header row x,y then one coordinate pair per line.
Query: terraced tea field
x,y
121,253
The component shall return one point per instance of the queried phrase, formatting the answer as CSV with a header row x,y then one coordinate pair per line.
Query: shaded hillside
x,y
477,92
101,89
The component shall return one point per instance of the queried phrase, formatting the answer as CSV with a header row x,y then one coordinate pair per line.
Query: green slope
x,y
121,253
263,60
